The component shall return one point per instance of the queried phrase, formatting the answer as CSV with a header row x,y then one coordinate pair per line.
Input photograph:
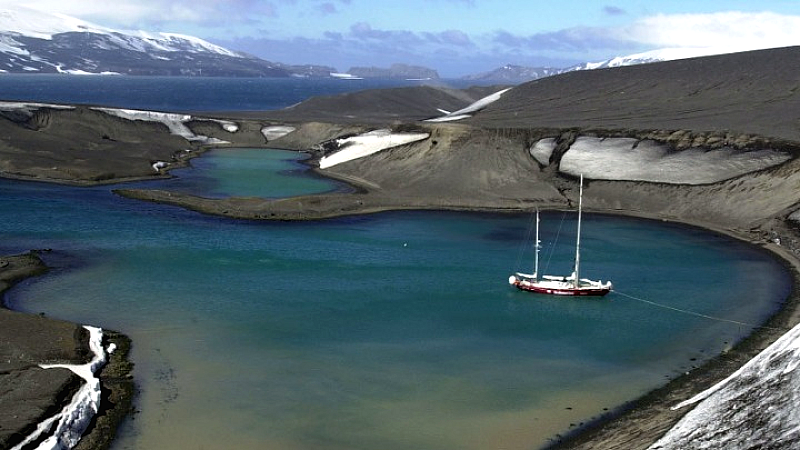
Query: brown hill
x,y
380,105
750,92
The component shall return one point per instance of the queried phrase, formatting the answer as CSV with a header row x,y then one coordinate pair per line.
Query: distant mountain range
x,y
33,41
513,74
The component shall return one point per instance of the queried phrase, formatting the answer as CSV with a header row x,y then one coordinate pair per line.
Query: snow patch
x,y
755,407
10,45
662,54
276,131
15,106
196,42
368,143
175,122
344,76
83,72
633,160
227,125
542,150
473,108
73,420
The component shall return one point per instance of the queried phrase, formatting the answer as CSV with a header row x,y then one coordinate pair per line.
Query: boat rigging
x,y
572,285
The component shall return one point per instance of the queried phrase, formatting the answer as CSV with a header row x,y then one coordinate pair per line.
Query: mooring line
x,y
695,313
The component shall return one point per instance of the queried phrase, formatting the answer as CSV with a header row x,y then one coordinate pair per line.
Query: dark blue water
x,y
184,94
390,331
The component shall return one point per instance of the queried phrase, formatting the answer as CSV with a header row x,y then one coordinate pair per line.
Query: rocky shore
x,y
29,393
486,162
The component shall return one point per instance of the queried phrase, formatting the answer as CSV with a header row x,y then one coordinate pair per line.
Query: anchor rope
x,y
695,313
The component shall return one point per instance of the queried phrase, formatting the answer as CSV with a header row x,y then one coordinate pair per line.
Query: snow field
x,y
368,143
14,106
469,110
175,122
542,150
276,131
628,159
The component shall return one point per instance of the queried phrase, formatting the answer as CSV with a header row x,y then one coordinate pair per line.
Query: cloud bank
x,y
733,29
458,50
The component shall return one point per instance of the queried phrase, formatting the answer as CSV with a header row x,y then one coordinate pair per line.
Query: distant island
x,y
401,71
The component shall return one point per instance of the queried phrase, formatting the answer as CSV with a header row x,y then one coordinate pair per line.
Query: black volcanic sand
x,y
747,101
30,394
752,92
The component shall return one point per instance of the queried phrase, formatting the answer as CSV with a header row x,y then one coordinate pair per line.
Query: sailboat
x,y
572,285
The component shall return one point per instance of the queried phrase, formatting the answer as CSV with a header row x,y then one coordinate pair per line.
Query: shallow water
x,y
239,172
394,330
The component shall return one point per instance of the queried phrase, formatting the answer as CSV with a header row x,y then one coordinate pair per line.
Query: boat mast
x,y
536,258
578,242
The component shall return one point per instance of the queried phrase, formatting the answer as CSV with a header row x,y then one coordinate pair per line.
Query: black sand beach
x,y
744,101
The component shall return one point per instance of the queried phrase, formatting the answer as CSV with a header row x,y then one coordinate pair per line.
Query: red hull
x,y
570,292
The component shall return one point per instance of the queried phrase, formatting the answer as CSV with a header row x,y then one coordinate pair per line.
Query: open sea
x,y
388,331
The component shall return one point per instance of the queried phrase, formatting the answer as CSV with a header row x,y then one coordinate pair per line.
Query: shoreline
x,y
643,420
640,422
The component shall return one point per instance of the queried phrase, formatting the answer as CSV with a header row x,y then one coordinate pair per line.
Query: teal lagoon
x,y
250,172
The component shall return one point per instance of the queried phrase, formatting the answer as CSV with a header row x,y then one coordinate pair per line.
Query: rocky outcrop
x,y
30,394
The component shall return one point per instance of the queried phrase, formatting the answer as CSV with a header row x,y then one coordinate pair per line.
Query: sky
x,y
455,37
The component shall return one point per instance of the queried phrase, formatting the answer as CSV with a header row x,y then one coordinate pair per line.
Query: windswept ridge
x,y
750,92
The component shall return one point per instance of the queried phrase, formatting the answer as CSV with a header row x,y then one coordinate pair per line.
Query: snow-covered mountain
x,y
519,74
663,54
33,41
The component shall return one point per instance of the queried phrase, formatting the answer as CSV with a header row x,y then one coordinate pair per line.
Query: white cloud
x,y
732,30
90,10
153,13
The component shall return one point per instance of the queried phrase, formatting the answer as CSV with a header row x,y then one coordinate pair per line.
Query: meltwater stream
x,y
391,331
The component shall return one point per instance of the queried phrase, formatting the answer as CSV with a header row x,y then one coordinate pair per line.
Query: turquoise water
x,y
390,331
240,172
